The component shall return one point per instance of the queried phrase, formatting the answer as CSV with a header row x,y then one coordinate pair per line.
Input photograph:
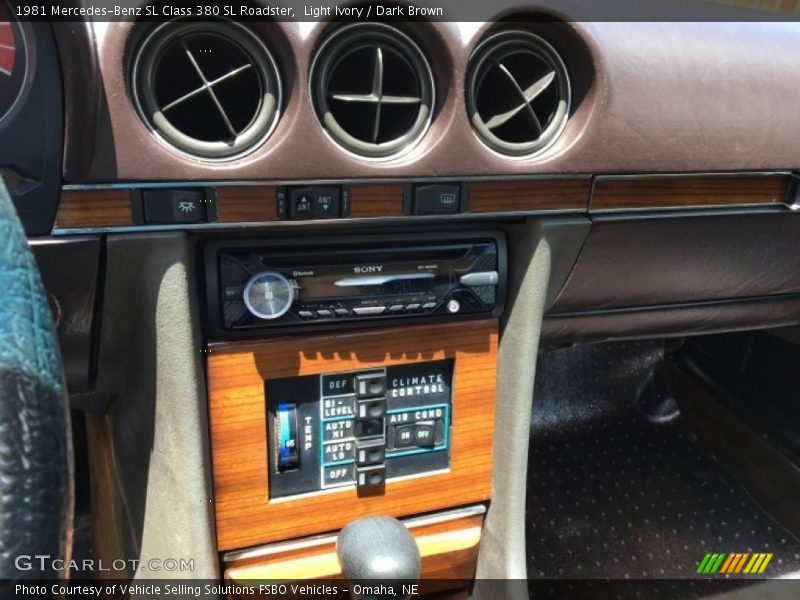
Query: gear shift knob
x,y
375,552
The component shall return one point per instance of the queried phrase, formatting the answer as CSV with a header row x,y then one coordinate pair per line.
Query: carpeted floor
x,y
618,488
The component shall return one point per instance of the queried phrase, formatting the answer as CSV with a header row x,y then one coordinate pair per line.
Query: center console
x,y
348,380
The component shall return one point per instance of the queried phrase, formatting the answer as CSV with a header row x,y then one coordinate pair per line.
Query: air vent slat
x,y
518,93
209,89
372,66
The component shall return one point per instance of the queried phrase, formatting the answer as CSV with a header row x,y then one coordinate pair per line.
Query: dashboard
x,y
605,124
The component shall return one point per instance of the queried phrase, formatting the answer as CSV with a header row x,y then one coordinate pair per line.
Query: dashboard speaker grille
x,y
517,92
373,89
211,89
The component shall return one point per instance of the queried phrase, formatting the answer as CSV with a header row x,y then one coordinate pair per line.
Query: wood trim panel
x,y
371,201
448,550
247,203
623,193
237,413
94,208
257,203
529,195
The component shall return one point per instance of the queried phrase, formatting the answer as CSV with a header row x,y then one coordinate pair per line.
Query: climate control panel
x,y
358,428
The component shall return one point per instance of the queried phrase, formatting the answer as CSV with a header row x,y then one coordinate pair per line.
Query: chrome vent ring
x,y
209,89
372,89
518,93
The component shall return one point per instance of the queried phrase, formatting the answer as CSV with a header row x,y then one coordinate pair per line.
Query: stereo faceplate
x,y
254,287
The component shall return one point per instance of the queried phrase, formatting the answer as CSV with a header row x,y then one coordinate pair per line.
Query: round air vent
x,y
372,89
518,93
209,89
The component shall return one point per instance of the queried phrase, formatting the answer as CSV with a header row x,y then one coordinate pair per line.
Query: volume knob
x,y
268,295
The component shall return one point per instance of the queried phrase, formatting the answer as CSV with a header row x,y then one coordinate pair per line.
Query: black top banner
x,y
428,10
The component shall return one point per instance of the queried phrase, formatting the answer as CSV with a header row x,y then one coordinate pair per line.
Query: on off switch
x,y
370,428
370,385
425,434
404,436
371,409
370,452
374,476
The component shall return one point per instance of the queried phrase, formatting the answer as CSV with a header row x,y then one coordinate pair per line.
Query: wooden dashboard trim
x,y
105,207
529,195
238,424
369,201
449,551
245,203
631,193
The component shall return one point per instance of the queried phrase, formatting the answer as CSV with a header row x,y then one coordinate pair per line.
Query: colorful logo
x,y
734,563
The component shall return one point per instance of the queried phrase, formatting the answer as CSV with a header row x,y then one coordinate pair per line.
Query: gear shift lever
x,y
376,552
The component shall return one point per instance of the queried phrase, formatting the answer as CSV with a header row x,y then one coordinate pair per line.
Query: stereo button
x,y
429,305
233,292
395,308
268,295
324,313
412,307
369,310
342,312
305,314
479,278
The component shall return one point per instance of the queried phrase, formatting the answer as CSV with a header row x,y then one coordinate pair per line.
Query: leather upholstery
x,y
35,443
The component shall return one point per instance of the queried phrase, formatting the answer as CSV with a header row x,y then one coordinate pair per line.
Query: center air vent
x,y
518,93
372,89
209,89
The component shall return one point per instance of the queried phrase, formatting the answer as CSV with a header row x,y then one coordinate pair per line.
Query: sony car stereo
x,y
257,286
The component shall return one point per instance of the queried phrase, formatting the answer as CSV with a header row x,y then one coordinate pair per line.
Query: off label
x,y
339,475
